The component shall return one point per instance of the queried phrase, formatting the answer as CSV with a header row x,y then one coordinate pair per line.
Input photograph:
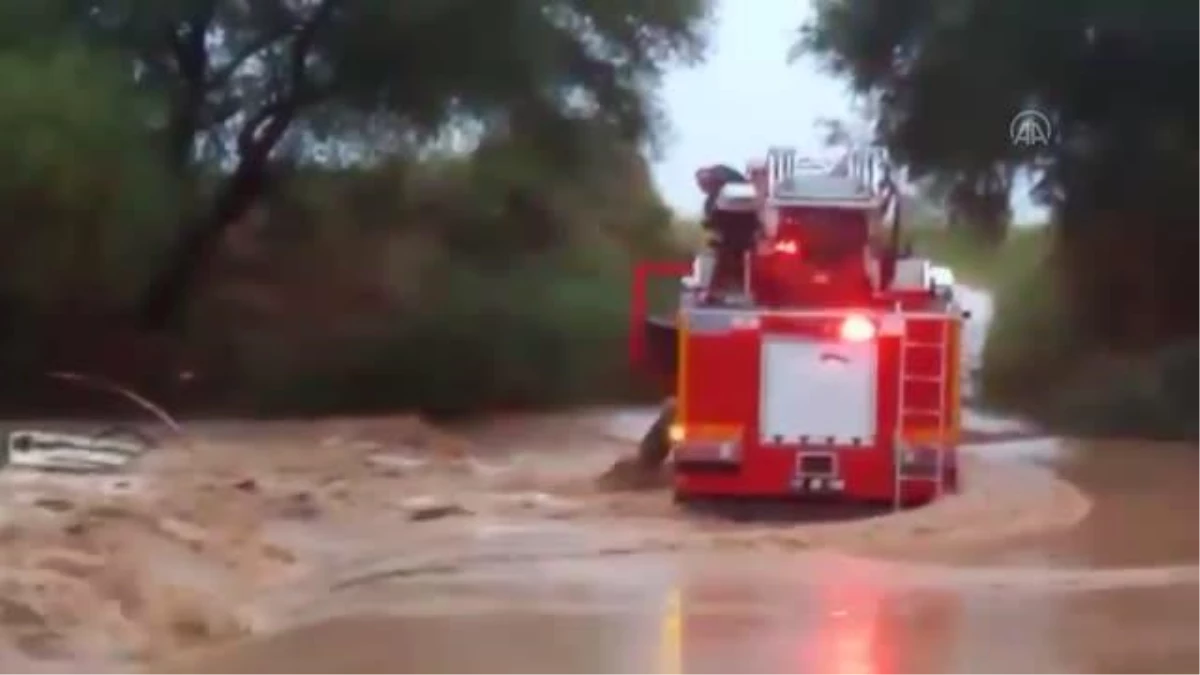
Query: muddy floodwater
x,y
1144,511
1116,592
387,545
303,547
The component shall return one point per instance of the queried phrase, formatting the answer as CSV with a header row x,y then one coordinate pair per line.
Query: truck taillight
x,y
787,246
856,328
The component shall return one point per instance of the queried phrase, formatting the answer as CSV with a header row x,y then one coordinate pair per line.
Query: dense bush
x,y
83,197
978,260
445,285
261,197
497,340
1039,364
1118,299
448,284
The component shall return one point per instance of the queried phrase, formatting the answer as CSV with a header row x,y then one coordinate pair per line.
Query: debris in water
x,y
545,504
247,485
300,506
54,504
432,508
351,443
394,464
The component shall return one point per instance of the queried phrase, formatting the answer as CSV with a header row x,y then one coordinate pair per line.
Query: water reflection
x,y
866,625
847,640
670,653
842,620
1131,630
722,614
757,611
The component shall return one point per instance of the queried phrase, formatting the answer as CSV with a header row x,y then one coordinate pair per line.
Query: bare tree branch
x,y
263,130
302,45
220,77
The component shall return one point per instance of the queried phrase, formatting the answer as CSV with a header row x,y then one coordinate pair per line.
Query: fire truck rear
x,y
807,357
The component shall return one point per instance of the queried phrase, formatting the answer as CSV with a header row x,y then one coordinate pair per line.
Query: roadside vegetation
x,y
980,263
1038,365
1096,323
282,207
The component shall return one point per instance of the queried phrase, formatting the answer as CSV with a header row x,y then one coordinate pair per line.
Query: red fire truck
x,y
808,356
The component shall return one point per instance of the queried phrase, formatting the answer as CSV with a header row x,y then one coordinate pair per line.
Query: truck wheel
x,y
655,446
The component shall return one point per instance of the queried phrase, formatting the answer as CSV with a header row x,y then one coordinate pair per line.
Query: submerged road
x,y
294,547
1115,593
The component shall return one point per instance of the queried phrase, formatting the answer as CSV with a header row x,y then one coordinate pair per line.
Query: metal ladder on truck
x,y
900,446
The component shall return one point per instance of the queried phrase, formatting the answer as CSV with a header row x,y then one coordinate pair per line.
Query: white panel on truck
x,y
817,392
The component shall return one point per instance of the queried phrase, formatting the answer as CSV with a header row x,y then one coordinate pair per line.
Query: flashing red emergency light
x,y
857,328
787,246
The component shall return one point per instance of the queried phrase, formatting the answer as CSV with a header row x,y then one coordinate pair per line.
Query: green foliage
x,y
1117,81
1041,365
360,71
517,339
82,199
1038,365
367,267
1117,291
980,261
1029,342
255,85
937,110
479,322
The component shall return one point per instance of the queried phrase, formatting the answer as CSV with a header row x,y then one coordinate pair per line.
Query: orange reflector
x,y
857,329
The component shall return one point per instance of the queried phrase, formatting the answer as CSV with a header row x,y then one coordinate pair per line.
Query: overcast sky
x,y
747,97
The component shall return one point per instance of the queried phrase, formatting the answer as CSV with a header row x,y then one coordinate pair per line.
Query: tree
x,y
82,195
244,80
1117,81
974,202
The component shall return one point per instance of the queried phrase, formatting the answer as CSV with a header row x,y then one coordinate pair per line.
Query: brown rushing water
x,y
1118,593
1145,505
1114,594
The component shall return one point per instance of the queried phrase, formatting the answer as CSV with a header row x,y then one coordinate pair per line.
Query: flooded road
x,y
731,615
1144,511
386,546
1115,593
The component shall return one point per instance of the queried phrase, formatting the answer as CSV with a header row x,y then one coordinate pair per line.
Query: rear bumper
x,y
852,475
